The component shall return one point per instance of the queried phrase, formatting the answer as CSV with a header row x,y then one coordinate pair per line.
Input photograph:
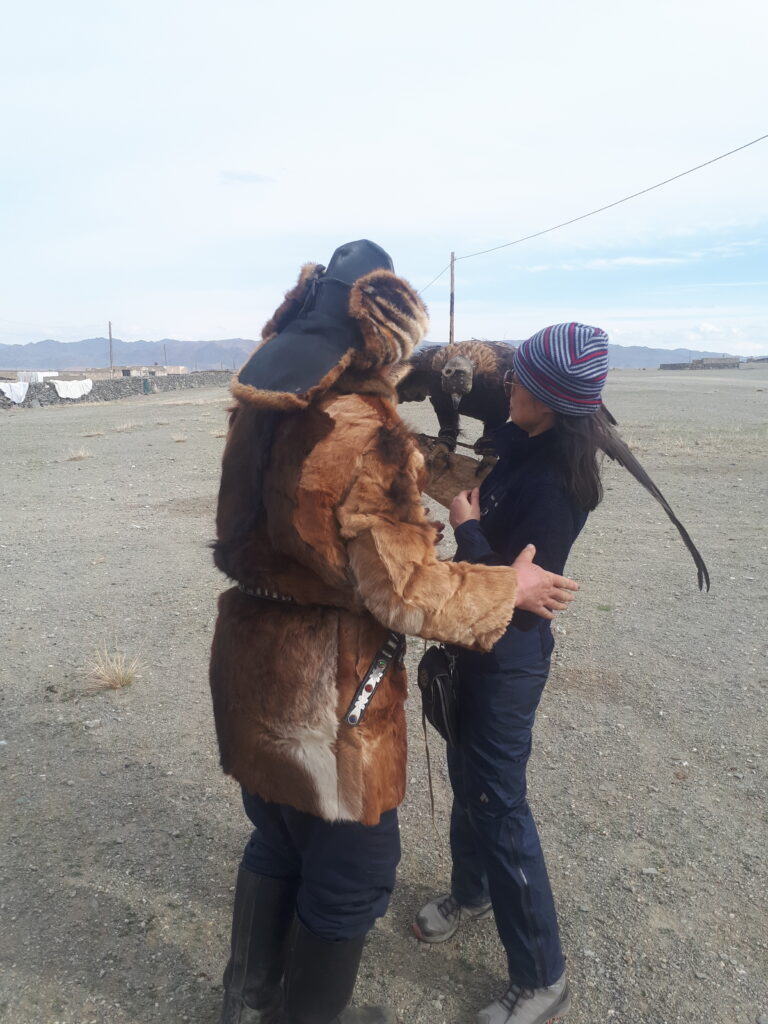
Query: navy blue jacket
x,y
522,501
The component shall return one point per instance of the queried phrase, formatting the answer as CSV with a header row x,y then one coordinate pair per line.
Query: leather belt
x,y
266,594
392,647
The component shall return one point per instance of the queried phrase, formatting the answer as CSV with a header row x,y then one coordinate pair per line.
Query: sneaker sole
x,y
559,1012
433,940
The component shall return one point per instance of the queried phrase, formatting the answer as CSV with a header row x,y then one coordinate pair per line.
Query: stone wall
x,y
121,387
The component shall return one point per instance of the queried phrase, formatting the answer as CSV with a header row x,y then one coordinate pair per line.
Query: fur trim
x,y
392,318
286,401
288,309
292,303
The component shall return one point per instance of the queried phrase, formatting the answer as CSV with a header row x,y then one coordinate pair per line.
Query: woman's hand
x,y
466,505
539,591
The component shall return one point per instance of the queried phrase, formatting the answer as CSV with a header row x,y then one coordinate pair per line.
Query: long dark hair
x,y
578,444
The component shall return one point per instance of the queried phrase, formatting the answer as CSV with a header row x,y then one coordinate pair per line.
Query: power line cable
x,y
436,278
600,209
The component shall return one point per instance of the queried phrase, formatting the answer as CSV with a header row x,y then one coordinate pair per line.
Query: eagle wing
x,y
415,385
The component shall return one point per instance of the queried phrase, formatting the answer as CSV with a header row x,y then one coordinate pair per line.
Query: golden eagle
x,y
464,379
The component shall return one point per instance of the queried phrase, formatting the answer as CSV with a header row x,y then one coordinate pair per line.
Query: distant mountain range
x,y
232,353
93,353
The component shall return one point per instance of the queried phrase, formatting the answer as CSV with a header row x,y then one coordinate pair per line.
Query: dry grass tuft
x,y
94,433
112,670
162,423
79,455
179,438
121,428
218,433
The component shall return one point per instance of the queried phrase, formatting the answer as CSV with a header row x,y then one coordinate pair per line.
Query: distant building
x,y
718,363
148,371
35,376
707,363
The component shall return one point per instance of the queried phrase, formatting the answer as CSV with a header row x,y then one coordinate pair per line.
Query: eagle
x,y
463,379
467,378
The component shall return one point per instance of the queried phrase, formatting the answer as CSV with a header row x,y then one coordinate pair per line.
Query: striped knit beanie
x,y
565,367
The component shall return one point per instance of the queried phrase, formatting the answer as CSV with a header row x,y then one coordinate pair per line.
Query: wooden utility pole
x,y
165,357
111,369
453,297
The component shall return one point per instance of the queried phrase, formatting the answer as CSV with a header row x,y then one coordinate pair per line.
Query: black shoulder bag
x,y
438,681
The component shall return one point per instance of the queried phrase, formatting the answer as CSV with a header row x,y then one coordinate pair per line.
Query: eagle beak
x,y
456,399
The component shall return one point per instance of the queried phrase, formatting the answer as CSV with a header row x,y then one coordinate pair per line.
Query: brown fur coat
x,y
320,500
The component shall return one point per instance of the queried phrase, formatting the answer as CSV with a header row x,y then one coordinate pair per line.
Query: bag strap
x,y
429,778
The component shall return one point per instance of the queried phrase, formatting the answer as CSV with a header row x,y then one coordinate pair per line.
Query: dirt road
x,y
121,836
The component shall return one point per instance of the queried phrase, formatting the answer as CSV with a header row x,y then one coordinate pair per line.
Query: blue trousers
x,y
345,871
494,841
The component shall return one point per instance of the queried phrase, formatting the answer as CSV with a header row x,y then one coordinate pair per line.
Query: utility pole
x,y
111,367
165,357
453,298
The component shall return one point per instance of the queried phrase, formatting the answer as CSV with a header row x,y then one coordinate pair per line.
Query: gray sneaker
x,y
440,919
529,1005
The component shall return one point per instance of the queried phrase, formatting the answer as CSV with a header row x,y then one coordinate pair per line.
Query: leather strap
x,y
393,646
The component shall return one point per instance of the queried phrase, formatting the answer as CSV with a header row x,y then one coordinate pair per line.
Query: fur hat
x,y
326,327
565,367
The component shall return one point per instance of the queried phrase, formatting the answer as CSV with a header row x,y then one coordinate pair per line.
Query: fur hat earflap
x,y
391,317
294,299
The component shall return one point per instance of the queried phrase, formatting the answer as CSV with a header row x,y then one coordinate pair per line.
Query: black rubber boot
x,y
320,979
261,921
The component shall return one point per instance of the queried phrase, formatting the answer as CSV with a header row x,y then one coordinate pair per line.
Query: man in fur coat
x,y
321,526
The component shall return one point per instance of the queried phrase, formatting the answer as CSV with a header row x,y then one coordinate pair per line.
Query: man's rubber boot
x,y
261,921
319,981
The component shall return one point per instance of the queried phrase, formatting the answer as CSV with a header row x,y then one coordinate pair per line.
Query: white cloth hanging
x,y
72,388
16,390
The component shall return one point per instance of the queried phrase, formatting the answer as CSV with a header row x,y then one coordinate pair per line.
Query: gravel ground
x,y
648,774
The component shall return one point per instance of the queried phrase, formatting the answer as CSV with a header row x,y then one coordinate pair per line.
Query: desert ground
x,y
121,836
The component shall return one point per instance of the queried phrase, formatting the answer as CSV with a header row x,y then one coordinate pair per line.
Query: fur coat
x,y
320,503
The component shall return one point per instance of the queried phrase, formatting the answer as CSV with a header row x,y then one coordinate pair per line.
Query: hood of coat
x,y
356,346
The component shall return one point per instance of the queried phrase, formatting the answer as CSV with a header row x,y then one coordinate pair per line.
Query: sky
x,y
169,166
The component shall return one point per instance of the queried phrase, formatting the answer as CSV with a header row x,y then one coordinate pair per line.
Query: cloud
x,y
724,251
610,263
706,328
245,178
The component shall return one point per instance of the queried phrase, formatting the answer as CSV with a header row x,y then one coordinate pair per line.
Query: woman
x,y
541,490
320,525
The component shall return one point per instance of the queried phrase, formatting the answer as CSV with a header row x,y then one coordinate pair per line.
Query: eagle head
x,y
456,378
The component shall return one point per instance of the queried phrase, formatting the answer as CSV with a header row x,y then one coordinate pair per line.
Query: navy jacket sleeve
x,y
539,513
473,546
544,516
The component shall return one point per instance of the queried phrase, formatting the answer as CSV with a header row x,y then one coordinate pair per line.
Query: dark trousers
x,y
345,871
494,841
